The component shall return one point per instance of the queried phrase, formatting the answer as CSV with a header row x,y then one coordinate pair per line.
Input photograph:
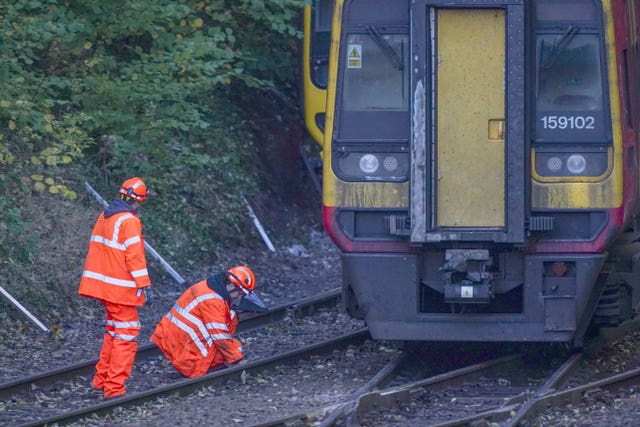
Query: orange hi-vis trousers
x,y
118,349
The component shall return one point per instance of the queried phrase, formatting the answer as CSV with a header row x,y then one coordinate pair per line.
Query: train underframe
x,y
490,296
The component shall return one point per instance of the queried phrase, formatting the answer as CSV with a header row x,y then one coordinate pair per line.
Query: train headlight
x,y
554,164
369,163
576,164
390,163
356,163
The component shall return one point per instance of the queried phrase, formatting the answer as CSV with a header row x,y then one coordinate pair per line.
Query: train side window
x,y
322,12
374,75
321,41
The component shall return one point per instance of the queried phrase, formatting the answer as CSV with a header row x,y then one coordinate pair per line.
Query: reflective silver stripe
x,y
186,313
221,326
131,241
217,337
139,273
189,331
107,242
136,185
116,226
109,280
201,298
113,242
233,314
123,337
135,325
190,317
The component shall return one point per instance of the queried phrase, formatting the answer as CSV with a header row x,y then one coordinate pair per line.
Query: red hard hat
x,y
242,277
134,188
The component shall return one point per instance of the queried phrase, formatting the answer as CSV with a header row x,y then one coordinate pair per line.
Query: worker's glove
x,y
148,294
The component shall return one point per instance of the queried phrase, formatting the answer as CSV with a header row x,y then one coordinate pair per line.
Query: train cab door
x,y
468,154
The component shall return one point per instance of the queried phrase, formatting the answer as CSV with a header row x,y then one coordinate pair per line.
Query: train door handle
x,y
496,128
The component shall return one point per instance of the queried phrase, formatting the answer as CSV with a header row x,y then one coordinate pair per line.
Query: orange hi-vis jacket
x,y
197,333
116,268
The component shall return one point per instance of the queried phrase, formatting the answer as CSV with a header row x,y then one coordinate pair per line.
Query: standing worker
x,y
115,272
197,333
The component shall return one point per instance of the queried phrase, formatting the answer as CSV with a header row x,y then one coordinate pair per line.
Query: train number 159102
x,y
568,122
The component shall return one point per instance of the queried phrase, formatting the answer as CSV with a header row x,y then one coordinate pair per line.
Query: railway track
x,y
503,390
485,393
505,405
184,385
35,388
509,405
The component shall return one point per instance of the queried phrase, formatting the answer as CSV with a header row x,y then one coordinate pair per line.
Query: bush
x,y
101,91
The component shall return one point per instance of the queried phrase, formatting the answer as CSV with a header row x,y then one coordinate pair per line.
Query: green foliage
x,y
143,87
17,239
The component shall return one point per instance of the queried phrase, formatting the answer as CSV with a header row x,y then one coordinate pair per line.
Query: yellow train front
x,y
480,166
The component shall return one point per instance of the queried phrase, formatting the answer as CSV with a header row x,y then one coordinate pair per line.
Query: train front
x,y
474,176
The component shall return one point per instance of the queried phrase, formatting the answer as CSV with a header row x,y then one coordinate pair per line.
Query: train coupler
x,y
465,276
468,293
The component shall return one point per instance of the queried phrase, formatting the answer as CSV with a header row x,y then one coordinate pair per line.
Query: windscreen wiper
x,y
559,47
385,46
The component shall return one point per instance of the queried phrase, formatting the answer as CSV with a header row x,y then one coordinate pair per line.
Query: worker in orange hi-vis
x,y
197,333
115,272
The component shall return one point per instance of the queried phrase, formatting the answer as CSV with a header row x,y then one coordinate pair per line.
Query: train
x,y
480,163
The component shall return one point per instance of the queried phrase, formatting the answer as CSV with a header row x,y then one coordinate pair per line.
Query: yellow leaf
x,y
36,177
66,159
179,36
48,128
88,45
12,124
197,23
54,189
35,160
5,104
39,186
49,181
71,195
48,118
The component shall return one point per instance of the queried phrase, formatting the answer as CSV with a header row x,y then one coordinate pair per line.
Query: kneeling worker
x,y
197,333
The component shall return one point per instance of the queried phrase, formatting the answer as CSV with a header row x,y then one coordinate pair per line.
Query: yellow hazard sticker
x,y
354,56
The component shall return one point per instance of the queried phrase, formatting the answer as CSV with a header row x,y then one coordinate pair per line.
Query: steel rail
x,y
546,395
188,385
390,398
247,323
519,404
365,400
575,395
522,408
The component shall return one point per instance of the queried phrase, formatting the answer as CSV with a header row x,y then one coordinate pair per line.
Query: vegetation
x,y
104,90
